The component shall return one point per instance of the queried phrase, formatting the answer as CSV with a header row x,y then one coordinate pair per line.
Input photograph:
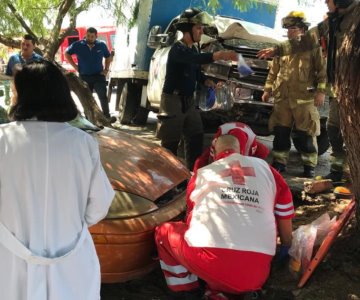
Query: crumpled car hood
x,y
229,28
137,166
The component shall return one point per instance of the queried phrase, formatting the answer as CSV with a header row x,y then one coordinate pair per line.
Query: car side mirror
x,y
156,38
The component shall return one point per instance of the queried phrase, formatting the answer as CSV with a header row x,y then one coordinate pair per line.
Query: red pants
x,y
225,270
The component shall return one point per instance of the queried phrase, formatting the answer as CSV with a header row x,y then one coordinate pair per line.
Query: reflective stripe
x,y
321,86
284,213
283,206
182,280
173,269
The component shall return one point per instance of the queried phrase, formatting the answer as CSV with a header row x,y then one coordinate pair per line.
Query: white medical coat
x,y
51,184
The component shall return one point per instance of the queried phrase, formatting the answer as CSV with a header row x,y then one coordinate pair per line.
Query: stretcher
x,y
328,241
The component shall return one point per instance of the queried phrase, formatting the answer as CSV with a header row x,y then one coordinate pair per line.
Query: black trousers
x,y
98,83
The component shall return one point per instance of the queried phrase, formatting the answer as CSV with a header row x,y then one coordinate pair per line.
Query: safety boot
x,y
278,166
335,176
309,171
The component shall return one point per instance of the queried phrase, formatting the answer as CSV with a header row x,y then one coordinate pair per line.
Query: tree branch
x,y
57,36
21,20
64,7
9,42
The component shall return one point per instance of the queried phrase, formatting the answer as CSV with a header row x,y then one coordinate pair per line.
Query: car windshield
x,y
83,124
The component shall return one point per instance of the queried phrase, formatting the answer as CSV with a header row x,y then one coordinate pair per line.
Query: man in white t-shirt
x,y
235,207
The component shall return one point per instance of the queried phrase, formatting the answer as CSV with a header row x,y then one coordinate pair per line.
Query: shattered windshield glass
x,y
247,43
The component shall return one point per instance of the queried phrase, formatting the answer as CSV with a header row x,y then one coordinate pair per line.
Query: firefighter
x,y
234,207
178,117
297,83
329,35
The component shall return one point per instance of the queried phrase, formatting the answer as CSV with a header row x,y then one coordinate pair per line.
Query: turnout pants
x,y
224,270
338,155
306,119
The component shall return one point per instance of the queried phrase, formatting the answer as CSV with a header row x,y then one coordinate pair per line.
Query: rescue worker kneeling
x,y
249,146
229,236
297,82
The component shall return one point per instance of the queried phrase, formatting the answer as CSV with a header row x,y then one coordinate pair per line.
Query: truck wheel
x,y
129,102
141,116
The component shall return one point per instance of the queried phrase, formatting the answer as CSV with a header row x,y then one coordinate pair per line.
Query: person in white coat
x,y
52,187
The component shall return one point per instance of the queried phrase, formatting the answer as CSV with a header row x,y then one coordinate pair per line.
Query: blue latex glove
x,y
210,98
282,254
284,251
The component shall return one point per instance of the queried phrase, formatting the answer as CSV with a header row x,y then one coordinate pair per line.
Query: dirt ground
x,y
336,278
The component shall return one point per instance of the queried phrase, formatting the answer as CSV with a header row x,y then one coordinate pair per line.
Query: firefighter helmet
x,y
295,19
191,17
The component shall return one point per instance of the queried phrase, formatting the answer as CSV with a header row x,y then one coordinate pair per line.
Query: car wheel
x,y
129,102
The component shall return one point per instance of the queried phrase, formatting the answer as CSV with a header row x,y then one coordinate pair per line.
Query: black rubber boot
x,y
309,171
335,139
335,176
282,140
278,166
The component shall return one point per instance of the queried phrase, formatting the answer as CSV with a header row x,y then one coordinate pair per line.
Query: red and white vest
x,y
234,201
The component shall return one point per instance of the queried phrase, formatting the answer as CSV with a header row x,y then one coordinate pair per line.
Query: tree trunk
x,y
348,92
91,109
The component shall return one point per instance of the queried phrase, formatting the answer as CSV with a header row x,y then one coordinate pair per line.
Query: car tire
x,y
129,102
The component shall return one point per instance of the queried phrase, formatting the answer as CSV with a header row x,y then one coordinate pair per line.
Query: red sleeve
x,y
189,203
261,150
284,207
202,160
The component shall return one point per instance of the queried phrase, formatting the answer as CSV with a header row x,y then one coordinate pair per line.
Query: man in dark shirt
x,y
178,116
90,53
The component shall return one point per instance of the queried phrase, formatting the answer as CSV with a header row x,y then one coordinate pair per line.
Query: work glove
x,y
282,255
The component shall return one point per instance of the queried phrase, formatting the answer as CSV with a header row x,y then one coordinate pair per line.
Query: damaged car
x,y
150,186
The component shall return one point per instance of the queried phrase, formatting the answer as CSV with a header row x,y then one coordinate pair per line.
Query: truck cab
x,y
227,33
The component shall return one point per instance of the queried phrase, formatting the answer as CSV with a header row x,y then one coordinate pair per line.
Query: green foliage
x,y
241,5
135,15
35,13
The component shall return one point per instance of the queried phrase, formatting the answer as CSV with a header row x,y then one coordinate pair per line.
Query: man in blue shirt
x,y
26,55
90,53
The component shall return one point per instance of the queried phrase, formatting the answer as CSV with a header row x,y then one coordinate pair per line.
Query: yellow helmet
x,y
295,19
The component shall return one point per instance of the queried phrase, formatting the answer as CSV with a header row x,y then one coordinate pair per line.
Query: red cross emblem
x,y
237,172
